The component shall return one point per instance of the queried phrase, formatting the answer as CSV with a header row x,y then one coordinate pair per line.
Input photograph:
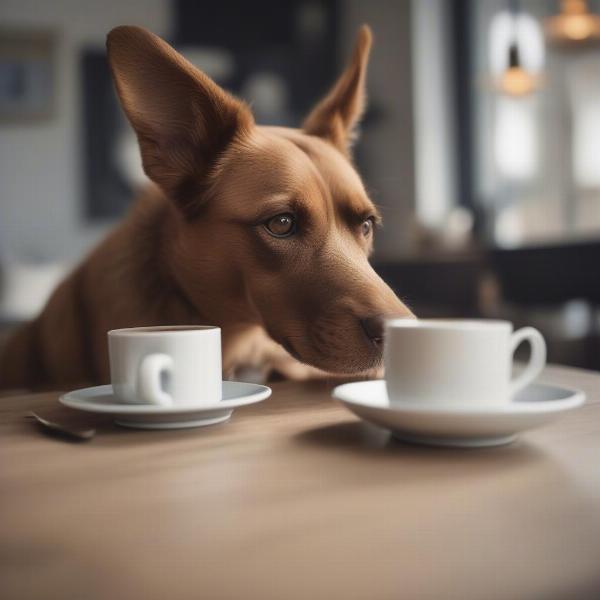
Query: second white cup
x,y
457,362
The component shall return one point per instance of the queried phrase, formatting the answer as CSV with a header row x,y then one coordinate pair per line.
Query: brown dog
x,y
264,231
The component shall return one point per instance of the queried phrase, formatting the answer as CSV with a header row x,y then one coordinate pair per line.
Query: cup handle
x,y
149,387
537,360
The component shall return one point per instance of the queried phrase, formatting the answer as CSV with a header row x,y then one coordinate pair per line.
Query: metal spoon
x,y
72,433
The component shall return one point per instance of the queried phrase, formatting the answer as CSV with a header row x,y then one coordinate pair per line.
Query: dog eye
x,y
367,227
281,225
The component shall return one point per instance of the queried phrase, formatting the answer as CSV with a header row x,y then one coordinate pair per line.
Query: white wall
x,y
435,164
40,163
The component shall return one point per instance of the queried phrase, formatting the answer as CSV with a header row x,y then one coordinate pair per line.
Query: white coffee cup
x,y
171,365
457,362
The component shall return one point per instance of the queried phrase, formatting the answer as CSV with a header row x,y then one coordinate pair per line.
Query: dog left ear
x,y
183,120
335,118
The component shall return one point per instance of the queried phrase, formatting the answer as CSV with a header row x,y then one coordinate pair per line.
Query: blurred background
x,y
481,143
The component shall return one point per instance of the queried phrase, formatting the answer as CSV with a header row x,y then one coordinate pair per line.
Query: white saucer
x,y
100,399
463,426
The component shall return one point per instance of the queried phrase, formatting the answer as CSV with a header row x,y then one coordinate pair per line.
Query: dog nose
x,y
374,327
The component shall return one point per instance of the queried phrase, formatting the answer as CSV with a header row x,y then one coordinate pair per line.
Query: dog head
x,y
276,218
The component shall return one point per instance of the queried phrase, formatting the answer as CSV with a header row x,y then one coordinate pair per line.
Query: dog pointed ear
x,y
183,119
335,118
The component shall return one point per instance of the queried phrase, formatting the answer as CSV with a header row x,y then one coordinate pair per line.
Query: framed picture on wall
x,y
27,84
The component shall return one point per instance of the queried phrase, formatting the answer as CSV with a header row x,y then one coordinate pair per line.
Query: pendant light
x,y
516,80
574,24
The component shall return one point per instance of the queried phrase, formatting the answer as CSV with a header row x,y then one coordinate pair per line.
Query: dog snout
x,y
374,327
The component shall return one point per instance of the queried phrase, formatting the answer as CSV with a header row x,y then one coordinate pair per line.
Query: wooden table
x,y
295,498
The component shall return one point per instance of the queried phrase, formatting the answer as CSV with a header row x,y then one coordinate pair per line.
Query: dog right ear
x,y
335,118
183,119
